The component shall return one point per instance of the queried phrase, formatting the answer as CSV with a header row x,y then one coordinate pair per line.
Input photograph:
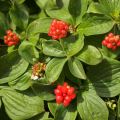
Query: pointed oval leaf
x,y
11,67
0,103
118,114
52,107
77,9
76,68
92,24
61,14
45,92
19,16
28,52
40,25
53,48
73,44
54,68
41,3
69,113
18,106
110,7
90,55
91,107
104,78
41,116
20,1
3,24
21,83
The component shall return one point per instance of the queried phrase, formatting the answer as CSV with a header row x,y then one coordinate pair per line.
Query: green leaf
x,y
110,53
90,55
45,92
3,25
52,107
45,4
28,51
53,48
61,14
11,67
49,119
76,68
68,113
19,1
104,78
73,44
65,3
19,16
91,107
34,39
0,103
41,3
69,75
21,83
40,116
110,8
94,8
54,68
118,114
40,25
92,24
18,106
78,8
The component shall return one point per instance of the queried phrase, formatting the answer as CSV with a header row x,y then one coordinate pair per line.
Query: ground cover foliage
x,y
33,64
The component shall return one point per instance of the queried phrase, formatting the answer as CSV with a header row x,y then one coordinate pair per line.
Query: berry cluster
x,y
64,94
111,41
11,38
38,70
58,29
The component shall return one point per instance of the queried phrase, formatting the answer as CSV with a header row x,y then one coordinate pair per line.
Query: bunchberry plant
x,y
59,59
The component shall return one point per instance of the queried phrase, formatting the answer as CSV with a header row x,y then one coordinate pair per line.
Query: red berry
x,y
66,103
58,29
104,42
107,38
10,43
59,87
8,32
65,84
73,96
57,92
64,89
117,37
11,38
110,35
59,99
64,94
71,90
109,45
112,39
67,98
118,44
114,47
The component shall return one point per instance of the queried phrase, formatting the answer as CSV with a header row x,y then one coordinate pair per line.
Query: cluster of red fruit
x,y
11,38
111,41
64,94
58,29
